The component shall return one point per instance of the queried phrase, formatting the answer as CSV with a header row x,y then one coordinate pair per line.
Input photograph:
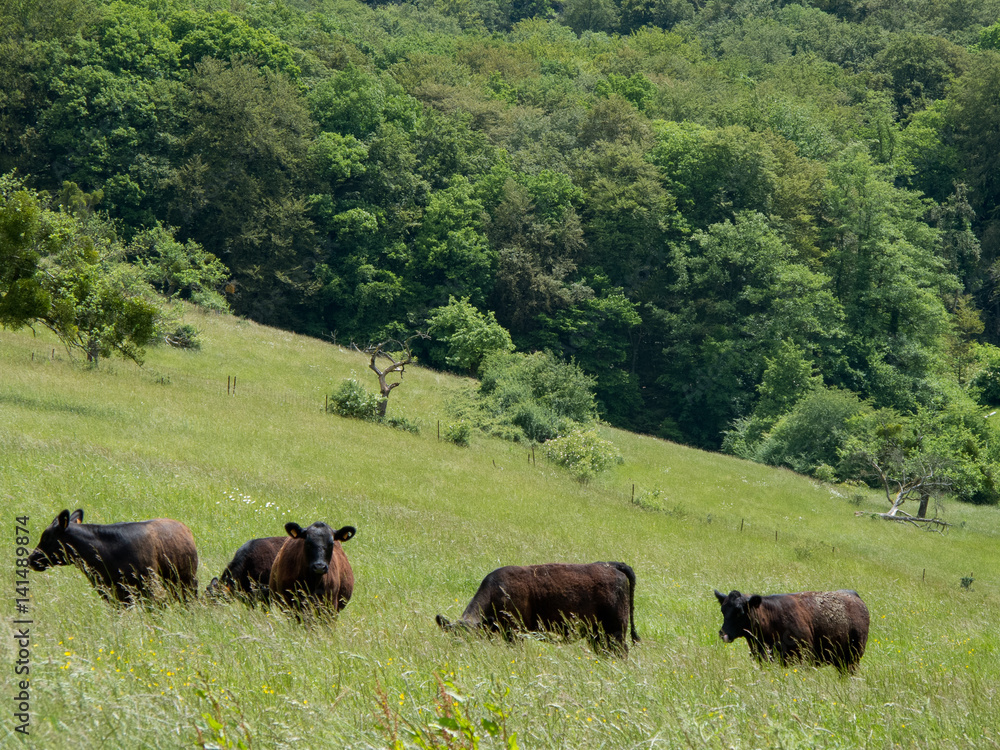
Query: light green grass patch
x,y
433,518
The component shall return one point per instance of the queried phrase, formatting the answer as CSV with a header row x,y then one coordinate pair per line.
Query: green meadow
x,y
433,518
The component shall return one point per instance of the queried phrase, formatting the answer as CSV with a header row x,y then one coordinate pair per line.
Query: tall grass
x,y
433,518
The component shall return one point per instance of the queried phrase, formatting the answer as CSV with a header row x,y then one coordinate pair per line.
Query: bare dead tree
x,y
899,456
398,355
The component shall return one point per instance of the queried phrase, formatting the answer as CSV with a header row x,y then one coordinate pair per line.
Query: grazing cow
x,y
823,627
122,559
312,569
249,574
556,597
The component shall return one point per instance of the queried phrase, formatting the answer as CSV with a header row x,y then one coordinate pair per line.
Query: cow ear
x,y
62,520
754,601
720,596
345,533
293,529
77,516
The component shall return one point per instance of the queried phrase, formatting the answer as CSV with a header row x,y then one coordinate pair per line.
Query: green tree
x,y
739,293
178,269
590,15
886,275
23,299
536,231
238,191
71,277
450,254
599,334
533,397
468,335
948,448
809,437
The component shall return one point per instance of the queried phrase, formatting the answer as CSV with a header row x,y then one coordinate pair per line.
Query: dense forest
x,y
751,223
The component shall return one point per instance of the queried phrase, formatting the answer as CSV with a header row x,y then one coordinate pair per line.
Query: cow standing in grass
x,y
822,627
122,560
311,569
248,575
597,598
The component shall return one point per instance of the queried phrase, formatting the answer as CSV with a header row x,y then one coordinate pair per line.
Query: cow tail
x,y
630,574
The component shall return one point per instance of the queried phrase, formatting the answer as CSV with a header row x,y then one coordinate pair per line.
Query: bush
x,y
583,453
537,394
352,399
457,432
184,337
812,433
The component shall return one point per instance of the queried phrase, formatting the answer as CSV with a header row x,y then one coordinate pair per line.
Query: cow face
x,y
51,549
319,539
459,626
217,589
736,610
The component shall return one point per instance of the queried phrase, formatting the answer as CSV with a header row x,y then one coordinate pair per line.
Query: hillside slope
x,y
432,520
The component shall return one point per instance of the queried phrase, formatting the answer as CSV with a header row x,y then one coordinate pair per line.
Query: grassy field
x,y
433,519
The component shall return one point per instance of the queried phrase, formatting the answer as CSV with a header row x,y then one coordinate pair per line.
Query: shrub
x,y
812,433
457,432
184,337
537,394
583,453
351,399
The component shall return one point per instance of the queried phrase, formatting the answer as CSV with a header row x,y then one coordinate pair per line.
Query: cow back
x,y
543,597
829,626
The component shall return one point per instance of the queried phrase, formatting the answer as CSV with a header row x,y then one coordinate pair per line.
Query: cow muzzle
x,y
319,568
725,638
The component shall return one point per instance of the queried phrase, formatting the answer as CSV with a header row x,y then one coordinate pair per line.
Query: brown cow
x,y
822,627
122,559
556,597
248,575
311,568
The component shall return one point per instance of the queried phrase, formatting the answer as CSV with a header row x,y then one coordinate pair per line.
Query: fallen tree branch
x,y
928,524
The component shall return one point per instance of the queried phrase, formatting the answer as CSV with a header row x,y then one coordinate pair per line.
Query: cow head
x,y
319,539
217,590
736,610
51,549
459,626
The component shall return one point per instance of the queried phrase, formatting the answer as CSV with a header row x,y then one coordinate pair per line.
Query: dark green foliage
x,y
812,433
678,196
987,379
536,394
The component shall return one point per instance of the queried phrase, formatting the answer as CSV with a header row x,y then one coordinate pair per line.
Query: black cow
x,y
311,568
556,597
822,627
122,559
248,575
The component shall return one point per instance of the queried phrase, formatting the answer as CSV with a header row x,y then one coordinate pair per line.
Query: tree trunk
x,y
896,503
382,406
924,500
